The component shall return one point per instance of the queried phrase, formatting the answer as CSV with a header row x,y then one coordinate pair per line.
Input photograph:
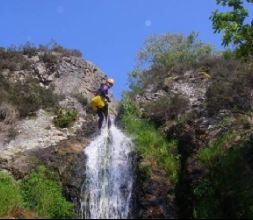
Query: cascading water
x,y
108,185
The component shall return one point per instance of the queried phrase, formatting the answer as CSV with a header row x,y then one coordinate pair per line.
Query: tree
x,y
168,50
163,52
233,24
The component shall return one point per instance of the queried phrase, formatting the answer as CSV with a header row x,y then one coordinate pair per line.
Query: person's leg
x,y
101,118
106,112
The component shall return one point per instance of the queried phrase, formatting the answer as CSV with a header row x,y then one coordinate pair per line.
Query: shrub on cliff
x,y
50,59
30,97
173,49
66,52
231,86
65,117
151,146
161,53
12,59
226,191
27,97
166,108
29,49
41,192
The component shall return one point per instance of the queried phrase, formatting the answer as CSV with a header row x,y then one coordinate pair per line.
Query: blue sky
x,y
108,32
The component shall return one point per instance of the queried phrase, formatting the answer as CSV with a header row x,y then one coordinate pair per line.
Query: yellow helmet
x,y
110,81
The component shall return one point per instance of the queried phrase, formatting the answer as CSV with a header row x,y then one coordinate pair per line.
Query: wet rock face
x,y
154,198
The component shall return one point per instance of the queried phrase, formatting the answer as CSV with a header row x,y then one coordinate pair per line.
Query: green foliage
x,y
151,145
127,106
30,97
50,59
206,205
65,117
143,171
39,192
27,97
12,59
164,52
29,49
209,154
227,191
173,49
10,196
166,108
231,86
42,193
65,52
234,26
135,83
228,54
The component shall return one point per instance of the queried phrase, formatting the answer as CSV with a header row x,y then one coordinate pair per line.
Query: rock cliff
x,y
32,138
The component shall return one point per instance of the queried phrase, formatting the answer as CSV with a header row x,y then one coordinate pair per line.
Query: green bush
x,y
29,49
10,196
173,49
206,205
231,86
39,192
27,97
163,53
66,52
166,108
30,97
151,145
227,190
42,193
65,117
217,149
12,59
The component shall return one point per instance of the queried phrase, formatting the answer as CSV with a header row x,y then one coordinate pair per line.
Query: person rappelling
x,y
100,103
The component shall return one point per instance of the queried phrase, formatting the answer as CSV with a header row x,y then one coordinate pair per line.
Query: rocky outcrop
x,y
28,142
192,85
69,76
195,128
82,77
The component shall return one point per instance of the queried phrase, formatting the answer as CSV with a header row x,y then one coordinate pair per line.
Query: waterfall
x,y
107,189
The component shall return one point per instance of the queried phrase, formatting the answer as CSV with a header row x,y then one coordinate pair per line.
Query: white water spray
x,y
108,185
